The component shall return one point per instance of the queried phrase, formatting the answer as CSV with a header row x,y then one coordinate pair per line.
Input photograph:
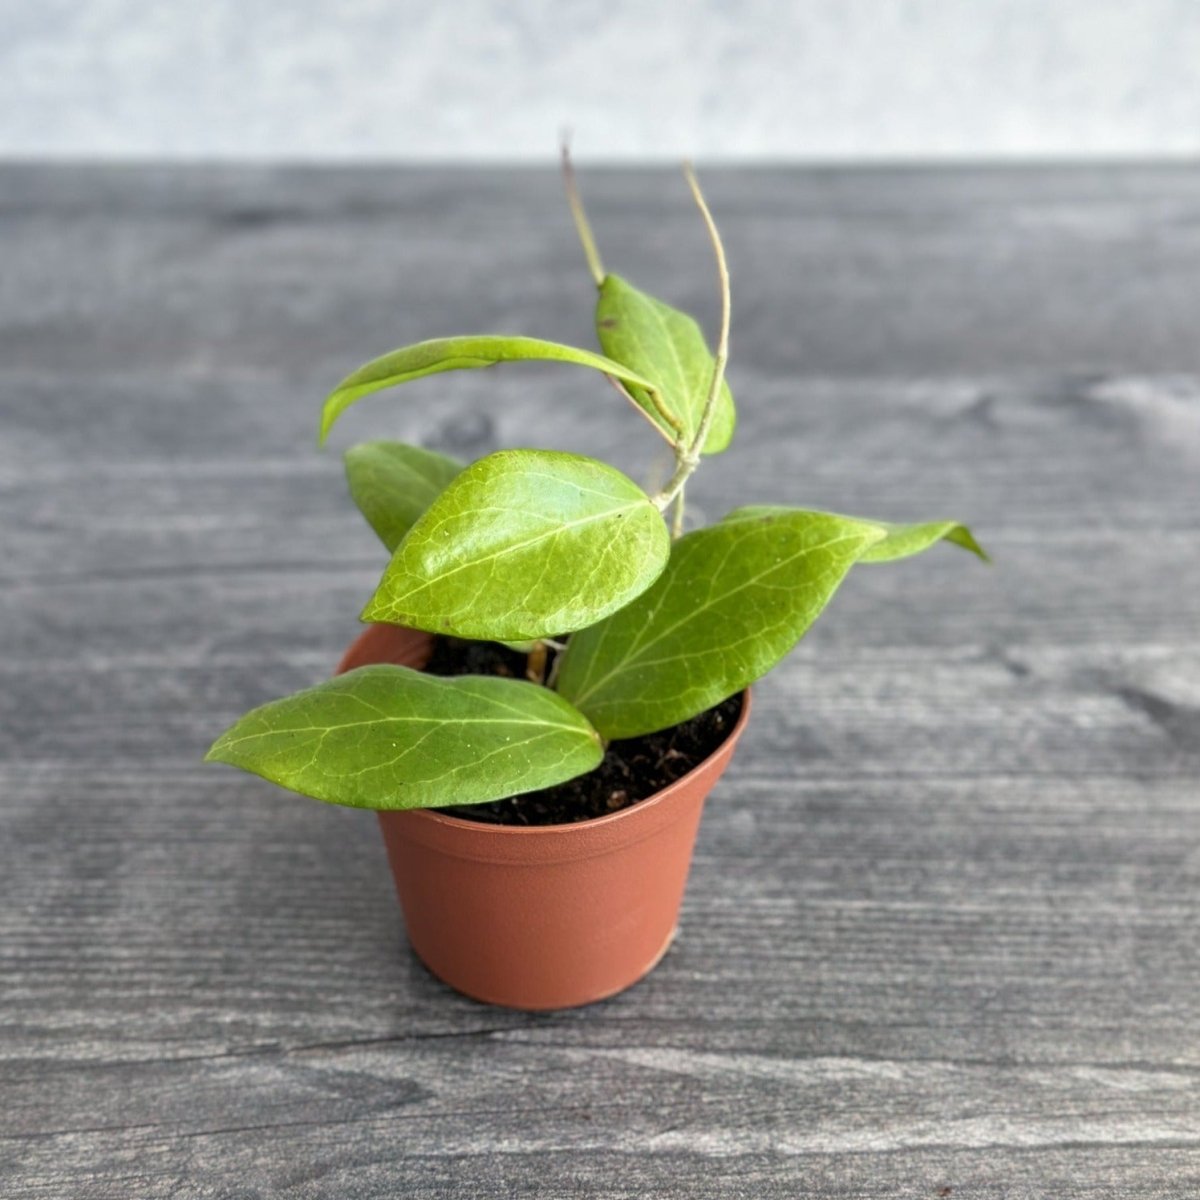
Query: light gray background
x,y
739,79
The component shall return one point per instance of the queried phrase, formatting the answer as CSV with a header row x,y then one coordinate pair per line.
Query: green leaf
x,y
734,599
902,541
457,354
388,737
394,483
524,544
657,340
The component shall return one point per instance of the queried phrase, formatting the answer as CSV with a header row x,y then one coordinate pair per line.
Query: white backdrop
x,y
498,78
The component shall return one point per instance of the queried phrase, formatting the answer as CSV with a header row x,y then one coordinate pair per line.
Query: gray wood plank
x,y
942,928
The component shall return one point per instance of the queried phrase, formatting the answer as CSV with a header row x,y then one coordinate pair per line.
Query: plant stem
x,y
677,519
581,222
722,355
552,678
535,665
598,274
687,457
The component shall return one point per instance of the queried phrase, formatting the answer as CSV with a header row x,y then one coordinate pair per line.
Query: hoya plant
x,y
570,561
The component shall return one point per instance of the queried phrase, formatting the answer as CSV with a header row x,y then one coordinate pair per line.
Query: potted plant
x,y
554,674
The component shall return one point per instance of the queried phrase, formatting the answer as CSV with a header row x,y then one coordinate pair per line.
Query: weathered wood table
x,y
942,937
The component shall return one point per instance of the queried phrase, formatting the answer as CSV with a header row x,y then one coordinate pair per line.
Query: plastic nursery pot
x,y
541,917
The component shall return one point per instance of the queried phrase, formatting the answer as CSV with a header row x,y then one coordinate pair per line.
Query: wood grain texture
x,y
943,929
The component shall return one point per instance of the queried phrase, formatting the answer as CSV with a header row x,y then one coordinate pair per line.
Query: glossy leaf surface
x,y
668,346
394,483
734,599
387,737
524,544
458,354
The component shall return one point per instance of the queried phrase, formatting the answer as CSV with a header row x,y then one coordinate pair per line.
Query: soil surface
x,y
632,770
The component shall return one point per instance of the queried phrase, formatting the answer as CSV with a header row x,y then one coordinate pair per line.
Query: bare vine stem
x,y
592,254
578,212
687,455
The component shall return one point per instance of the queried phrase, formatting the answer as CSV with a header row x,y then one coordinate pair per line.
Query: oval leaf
x,y
393,484
458,354
733,600
388,737
657,340
524,544
902,541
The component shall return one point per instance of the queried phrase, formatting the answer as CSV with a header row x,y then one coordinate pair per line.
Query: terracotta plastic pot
x,y
548,916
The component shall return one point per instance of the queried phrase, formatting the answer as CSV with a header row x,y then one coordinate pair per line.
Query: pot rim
x,y
486,842
443,815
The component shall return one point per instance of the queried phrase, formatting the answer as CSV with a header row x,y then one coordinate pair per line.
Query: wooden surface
x,y
942,936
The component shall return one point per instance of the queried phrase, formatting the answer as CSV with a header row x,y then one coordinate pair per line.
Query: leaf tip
x,y
328,416
216,752
379,611
966,539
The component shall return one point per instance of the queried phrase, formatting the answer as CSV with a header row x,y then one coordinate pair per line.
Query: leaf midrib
x,y
682,398
448,721
554,532
384,473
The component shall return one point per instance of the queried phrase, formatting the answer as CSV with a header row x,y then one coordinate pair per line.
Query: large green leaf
x,y
902,541
457,354
659,341
524,544
389,737
394,483
734,599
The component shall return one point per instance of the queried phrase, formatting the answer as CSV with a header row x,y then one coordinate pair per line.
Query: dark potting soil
x,y
632,770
